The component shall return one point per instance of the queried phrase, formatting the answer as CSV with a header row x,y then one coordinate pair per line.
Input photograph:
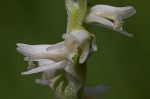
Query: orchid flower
x,y
56,56
110,17
63,65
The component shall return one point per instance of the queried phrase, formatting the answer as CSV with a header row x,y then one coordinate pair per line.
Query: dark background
x,y
122,63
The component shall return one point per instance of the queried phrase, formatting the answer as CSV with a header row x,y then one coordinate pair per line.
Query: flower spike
x,y
63,65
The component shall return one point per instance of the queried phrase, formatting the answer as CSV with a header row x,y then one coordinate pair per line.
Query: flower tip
x,y
21,48
18,49
131,9
130,35
81,61
28,72
126,12
95,48
124,33
23,73
18,44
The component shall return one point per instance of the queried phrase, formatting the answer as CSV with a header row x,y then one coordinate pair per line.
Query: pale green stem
x,y
76,10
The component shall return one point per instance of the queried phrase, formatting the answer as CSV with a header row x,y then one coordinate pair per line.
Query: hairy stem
x,y
76,10
66,85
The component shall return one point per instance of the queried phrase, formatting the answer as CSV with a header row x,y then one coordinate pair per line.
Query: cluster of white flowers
x,y
57,56
78,42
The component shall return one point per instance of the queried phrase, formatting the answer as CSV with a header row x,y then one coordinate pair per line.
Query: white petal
x,y
70,47
112,12
26,49
45,63
52,56
37,52
85,53
35,48
123,32
68,36
93,43
96,19
80,35
55,46
49,74
106,23
125,12
58,65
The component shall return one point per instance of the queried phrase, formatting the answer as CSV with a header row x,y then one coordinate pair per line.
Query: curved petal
x,y
80,35
111,12
106,23
93,43
125,12
59,65
49,74
96,19
35,48
54,46
70,45
85,53
45,63
37,52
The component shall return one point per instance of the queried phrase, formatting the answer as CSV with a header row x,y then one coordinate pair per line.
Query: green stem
x,y
76,10
68,87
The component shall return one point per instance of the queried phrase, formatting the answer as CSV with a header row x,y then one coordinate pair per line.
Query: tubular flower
x,y
57,56
110,17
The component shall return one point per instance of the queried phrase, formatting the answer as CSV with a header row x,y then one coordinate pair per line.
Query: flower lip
x,y
106,23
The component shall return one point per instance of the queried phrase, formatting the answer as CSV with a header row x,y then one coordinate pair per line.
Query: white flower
x,y
102,14
57,56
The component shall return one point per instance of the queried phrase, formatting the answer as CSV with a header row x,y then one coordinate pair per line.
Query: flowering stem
x,y
76,10
74,87
63,65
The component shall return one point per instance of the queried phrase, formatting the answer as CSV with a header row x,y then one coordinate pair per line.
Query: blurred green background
x,y
122,63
